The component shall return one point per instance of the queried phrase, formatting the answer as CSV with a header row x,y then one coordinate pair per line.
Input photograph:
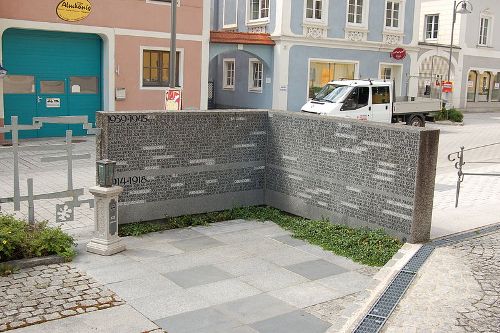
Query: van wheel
x,y
416,121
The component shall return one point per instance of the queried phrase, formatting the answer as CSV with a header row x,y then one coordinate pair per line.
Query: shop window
x,y
484,87
495,95
19,84
320,73
155,68
471,86
259,9
431,26
52,87
84,84
255,75
229,74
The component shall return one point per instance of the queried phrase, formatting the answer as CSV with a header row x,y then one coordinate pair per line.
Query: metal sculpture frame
x,y
64,212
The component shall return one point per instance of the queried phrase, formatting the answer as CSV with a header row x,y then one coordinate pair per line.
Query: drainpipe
x,y
173,40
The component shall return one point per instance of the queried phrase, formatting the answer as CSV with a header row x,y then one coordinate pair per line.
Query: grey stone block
x,y
195,244
201,320
316,269
293,322
197,276
289,240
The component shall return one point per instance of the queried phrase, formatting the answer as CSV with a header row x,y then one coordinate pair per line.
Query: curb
x,y
382,279
448,123
32,262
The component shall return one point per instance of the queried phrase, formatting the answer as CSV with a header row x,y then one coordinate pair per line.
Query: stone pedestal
x,y
106,241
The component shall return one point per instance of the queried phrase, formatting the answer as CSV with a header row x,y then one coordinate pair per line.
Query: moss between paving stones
x,y
368,247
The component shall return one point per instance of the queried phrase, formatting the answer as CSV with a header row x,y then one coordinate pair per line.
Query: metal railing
x,y
461,162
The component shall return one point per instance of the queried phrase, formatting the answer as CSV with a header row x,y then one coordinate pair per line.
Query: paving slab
x,y
316,269
224,291
293,322
255,308
196,244
198,321
142,287
273,279
123,319
346,283
304,294
289,240
198,276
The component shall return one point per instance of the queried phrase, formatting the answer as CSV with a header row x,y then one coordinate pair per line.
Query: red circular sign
x,y
398,53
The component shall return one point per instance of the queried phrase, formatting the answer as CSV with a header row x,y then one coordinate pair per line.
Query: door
x,y
381,104
52,101
357,104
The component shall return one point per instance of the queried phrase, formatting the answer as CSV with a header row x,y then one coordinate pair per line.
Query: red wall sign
x,y
173,99
398,53
447,86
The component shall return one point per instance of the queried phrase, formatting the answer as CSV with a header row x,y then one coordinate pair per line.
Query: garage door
x,y
51,74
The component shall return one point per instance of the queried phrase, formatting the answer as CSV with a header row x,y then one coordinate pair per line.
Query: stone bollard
x,y
106,241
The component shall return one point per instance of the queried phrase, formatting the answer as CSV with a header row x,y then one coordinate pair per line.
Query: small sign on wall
x,y
447,86
497,85
173,99
52,102
470,84
73,10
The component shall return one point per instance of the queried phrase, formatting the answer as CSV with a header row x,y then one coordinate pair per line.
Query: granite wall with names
x,y
357,173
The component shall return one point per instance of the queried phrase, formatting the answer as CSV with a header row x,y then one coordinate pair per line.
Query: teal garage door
x,y
51,74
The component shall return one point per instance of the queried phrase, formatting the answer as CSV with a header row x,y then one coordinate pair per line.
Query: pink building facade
x,y
129,60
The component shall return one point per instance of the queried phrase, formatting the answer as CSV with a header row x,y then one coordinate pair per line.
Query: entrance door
x,y
52,101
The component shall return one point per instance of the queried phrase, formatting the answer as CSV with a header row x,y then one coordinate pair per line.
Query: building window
x,y
484,87
321,72
484,31
386,73
255,75
19,84
259,9
392,10
229,74
471,86
155,68
355,11
431,26
495,95
314,9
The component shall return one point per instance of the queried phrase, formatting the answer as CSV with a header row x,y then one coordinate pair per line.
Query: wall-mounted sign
x,y
497,85
173,99
447,86
73,10
53,102
470,84
398,53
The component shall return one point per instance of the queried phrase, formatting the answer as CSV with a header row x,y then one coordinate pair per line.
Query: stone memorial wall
x,y
357,173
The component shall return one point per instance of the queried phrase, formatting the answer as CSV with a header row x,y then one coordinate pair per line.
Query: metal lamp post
x,y
466,8
173,40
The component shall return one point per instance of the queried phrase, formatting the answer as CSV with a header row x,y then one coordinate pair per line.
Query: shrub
x,y
453,115
20,240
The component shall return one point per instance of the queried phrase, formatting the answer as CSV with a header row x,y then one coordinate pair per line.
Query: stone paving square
x,y
224,291
197,243
141,287
316,269
304,294
202,320
198,276
293,322
289,240
273,279
255,308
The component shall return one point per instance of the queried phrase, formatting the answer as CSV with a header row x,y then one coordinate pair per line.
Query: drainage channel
x,y
375,319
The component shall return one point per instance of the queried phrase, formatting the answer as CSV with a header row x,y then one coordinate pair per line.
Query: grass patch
x,y
20,240
453,115
368,247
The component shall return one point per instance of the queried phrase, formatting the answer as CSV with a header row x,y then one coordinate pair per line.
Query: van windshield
x,y
332,93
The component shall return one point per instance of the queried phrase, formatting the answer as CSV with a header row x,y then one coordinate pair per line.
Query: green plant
x,y
370,247
6,269
19,240
453,115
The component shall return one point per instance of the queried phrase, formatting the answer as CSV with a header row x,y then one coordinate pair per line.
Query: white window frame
x,y
154,48
489,30
433,24
324,12
232,25
401,16
364,15
260,19
226,86
251,87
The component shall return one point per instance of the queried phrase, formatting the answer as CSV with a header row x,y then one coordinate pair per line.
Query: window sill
x,y
255,90
481,46
258,22
157,87
228,88
393,31
314,22
356,27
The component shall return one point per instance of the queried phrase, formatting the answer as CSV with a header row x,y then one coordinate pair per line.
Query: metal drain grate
x,y
414,264
370,324
380,312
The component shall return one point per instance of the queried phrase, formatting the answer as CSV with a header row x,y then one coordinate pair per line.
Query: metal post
x,y
452,35
173,39
69,150
31,202
15,149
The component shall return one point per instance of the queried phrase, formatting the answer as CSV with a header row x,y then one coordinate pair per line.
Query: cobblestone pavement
x,y
45,293
457,290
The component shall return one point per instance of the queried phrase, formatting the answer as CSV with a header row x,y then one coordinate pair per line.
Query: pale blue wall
x,y
241,97
299,61
230,12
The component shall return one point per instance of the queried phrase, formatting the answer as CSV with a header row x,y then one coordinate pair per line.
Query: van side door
x,y
357,104
381,104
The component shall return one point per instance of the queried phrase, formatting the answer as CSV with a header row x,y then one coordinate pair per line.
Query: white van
x,y
371,100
